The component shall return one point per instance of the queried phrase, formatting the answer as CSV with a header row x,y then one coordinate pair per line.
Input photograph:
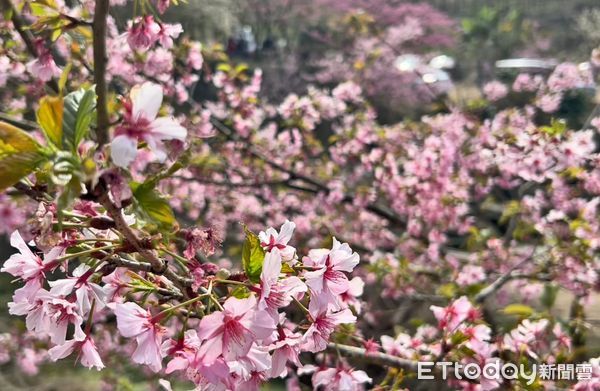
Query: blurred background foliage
x,y
298,43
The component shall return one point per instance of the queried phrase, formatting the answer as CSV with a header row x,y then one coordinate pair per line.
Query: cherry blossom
x,y
453,315
43,66
86,291
133,321
271,239
143,33
341,378
130,228
322,326
232,331
142,124
328,279
87,352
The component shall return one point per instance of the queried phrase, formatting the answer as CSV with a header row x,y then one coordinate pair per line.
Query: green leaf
x,y
549,295
511,208
153,205
241,292
447,290
40,9
285,268
521,310
253,256
19,155
78,115
56,33
62,82
556,128
50,118
458,338
224,67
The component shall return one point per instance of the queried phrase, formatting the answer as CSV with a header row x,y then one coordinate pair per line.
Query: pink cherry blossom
x,y
87,352
340,378
182,350
250,370
29,267
232,331
86,291
271,239
167,33
25,264
277,293
323,324
206,240
116,284
403,345
205,374
141,124
134,321
451,316
350,298
35,308
162,5
143,33
195,59
495,90
61,313
285,349
43,67
329,279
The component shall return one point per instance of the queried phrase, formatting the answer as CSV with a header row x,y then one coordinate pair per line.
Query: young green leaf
x,y
50,119
19,155
153,205
520,310
62,81
253,256
78,115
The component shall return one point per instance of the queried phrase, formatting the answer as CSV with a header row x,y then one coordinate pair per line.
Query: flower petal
x,y
123,150
146,100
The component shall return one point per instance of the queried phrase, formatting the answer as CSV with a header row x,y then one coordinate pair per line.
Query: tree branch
x,y
100,60
158,266
319,187
512,274
121,225
26,36
375,358
20,123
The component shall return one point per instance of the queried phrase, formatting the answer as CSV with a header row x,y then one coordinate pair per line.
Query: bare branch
x,y
512,274
375,358
20,123
26,36
319,187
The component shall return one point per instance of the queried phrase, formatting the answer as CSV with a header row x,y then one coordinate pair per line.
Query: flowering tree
x,y
385,47
123,198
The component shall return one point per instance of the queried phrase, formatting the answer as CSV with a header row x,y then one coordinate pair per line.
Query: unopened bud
x,y
102,222
223,274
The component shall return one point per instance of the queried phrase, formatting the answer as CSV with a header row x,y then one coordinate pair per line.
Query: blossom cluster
x,y
232,333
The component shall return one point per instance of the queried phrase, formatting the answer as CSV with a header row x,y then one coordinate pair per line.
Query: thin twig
x,y
375,357
318,186
20,123
26,36
503,279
